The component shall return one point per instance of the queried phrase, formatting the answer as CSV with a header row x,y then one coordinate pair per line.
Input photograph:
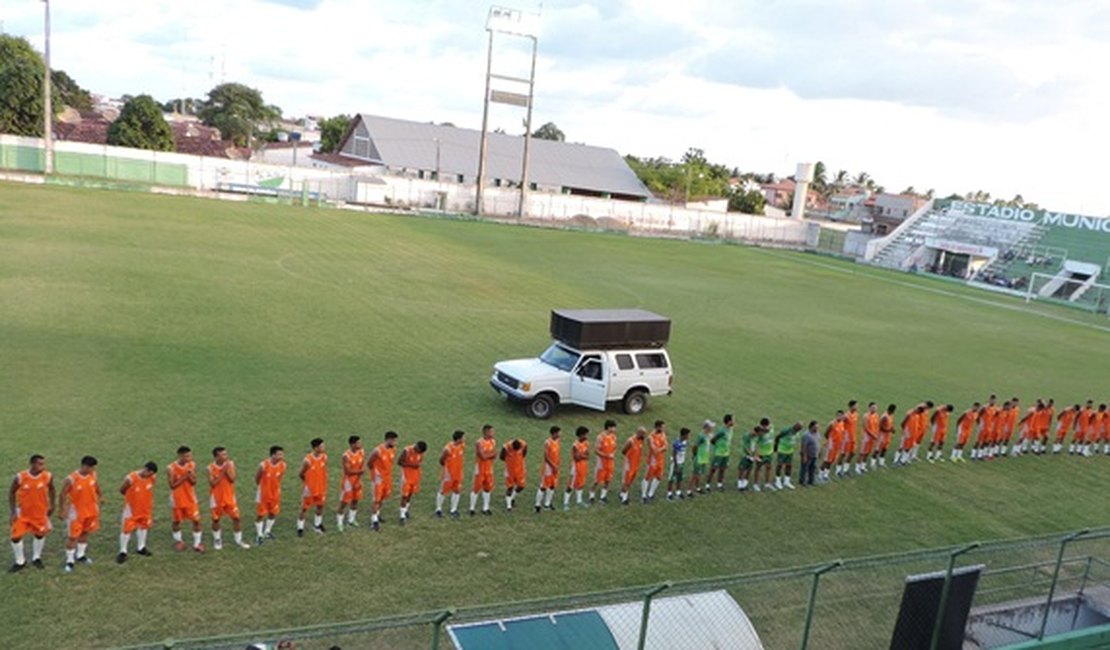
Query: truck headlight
x,y
526,386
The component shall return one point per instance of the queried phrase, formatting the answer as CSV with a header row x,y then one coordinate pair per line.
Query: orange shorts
x,y
78,526
382,490
550,480
884,440
37,526
578,473
228,509
267,508
188,513
831,456
132,522
604,471
849,445
654,472
630,472
939,437
409,488
310,500
450,484
515,480
868,445
350,489
483,482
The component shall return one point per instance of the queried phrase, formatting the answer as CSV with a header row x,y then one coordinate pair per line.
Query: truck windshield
x,y
560,357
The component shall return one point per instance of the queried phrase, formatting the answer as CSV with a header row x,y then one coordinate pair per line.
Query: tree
x,y
332,130
140,125
238,112
863,179
71,94
183,105
747,201
841,179
21,77
911,191
549,132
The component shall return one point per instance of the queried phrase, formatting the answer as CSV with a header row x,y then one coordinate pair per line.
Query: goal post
x,y
1052,287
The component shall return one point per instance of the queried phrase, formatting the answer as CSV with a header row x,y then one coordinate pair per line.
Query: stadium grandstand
x,y
1038,254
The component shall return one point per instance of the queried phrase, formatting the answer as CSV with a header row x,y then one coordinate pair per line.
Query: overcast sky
x,y
1008,96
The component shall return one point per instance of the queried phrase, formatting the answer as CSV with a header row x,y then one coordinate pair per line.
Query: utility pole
x,y
47,104
522,209
479,196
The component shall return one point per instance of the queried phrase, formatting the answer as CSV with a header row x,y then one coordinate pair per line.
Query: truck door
x,y
588,386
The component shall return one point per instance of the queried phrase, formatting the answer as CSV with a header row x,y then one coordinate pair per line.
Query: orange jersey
x,y
581,455
635,452
1067,418
383,463
269,484
183,496
354,459
140,495
411,475
551,453
454,462
987,416
316,475
607,447
82,495
32,498
836,435
940,424
851,423
871,424
1043,419
966,425
1083,421
886,424
514,459
223,492
486,447
657,449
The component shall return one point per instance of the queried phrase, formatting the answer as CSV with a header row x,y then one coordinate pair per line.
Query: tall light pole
x,y
527,132
47,107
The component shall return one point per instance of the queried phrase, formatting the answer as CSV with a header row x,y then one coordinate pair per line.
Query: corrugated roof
x,y
413,145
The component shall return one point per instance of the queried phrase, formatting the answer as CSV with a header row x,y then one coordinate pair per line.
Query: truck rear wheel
x,y
635,402
540,407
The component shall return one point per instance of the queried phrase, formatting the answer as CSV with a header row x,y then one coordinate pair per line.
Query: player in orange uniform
x,y
940,433
451,477
350,483
82,517
579,468
485,452
987,416
851,427
1044,425
221,498
1026,425
267,496
605,448
549,471
871,438
182,476
1101,430
913,424
886,433
138,509
965,425
513,454
31,504
381,475
1064,424
834,434
411,459
314,477
633,452
1082,426
657,462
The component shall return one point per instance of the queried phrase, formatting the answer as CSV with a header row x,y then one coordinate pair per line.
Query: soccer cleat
x,y
538,509
121,558
487,513
258,540
270,535
439,514
566,507
217,545
455,514
319,530
243,545
199,548
300,532
375,526
16,568
179,546
755,488
605,499
472,513
144,552
402,521
68,568
38,564
86,560
353,524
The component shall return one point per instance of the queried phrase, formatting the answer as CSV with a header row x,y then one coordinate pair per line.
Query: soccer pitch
x,y
131,324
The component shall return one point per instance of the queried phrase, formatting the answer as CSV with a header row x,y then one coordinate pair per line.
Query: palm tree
x,y
841,179
930,193
864,179
910,191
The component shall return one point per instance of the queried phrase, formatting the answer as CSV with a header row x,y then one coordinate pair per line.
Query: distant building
x,y
885,212
780,194
450,154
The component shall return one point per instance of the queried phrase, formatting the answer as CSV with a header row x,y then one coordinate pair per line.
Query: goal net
x,y
1070,290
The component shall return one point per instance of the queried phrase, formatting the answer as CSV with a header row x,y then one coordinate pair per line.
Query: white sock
x,y
300,524
177,535
578,496
351,514
539,497
455,501
604,493
439,502
473,500
593,494
238,535
339,521
739,484
124,538
508,502
17,552
485,500
404,512
652,487
269,525
317,520
566,499
37,544
217,536
374,518
258,526
81,550
69,556
548,497
623,496
140,538
644,488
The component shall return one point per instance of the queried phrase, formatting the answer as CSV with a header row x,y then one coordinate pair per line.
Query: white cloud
x,y
1002,95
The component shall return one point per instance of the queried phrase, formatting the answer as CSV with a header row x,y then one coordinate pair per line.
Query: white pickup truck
x,y
598,356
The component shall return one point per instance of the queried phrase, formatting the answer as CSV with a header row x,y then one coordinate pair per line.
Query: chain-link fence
x,y
1021,590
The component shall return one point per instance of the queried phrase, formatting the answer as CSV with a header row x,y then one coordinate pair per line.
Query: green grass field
x,y
130,324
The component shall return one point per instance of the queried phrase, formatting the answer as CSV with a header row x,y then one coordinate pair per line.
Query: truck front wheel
x,y
541,407
635,402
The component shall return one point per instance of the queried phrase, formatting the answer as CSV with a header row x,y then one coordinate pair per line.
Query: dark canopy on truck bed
x,y
610,328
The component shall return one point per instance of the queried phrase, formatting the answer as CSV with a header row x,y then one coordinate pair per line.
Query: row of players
x,y
32,494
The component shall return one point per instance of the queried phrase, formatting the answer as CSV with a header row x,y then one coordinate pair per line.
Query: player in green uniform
x,y
749,450
703,454
785,443
722,447
765,450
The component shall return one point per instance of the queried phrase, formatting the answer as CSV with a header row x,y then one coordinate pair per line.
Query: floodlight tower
x,y
802,178
47,107
512,22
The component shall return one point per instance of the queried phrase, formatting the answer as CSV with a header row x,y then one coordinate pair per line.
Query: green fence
x,y
1029,589
95,166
